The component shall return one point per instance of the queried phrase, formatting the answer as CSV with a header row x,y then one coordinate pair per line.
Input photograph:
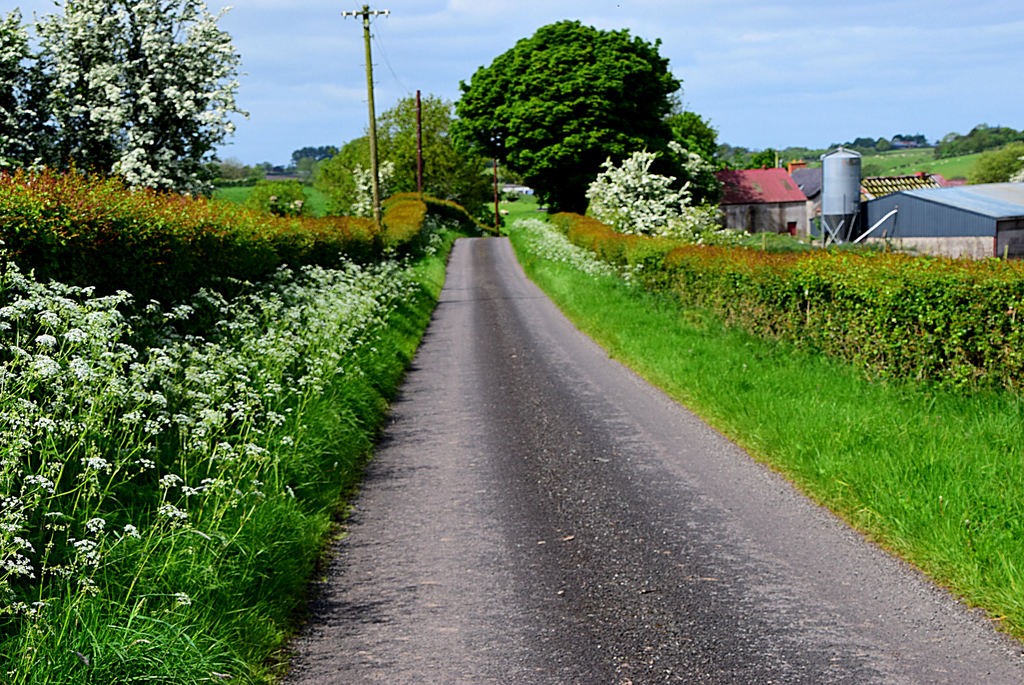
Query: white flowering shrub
x,y
362,205
633,200
141,88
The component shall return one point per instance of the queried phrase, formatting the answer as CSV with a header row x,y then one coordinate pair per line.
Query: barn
x,y
763,201
985,220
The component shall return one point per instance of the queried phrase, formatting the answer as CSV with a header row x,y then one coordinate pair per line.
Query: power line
x,y
387,62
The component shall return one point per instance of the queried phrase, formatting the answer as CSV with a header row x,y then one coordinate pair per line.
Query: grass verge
x,y
934,475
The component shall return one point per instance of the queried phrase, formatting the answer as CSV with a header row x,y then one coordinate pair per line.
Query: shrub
x,y
631,199
951,321
94,231
956,322
280,198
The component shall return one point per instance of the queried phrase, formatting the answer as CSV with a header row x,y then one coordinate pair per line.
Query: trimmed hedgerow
x,y
402,218
957,322
94,231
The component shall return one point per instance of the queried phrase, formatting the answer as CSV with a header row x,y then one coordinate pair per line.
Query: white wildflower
x,y
170,480
96,463
45,366
173,514
76,336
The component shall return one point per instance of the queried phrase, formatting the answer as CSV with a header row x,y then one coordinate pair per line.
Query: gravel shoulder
x,y
535,512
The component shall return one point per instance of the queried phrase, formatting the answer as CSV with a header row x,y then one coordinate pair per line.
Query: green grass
x,y
902,162
316,199
523,207
933,475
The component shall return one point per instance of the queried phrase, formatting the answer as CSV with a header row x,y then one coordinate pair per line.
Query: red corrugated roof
x,y
747,186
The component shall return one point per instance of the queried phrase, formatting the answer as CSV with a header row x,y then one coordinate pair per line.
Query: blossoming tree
x,y
632,199
22,119
141,88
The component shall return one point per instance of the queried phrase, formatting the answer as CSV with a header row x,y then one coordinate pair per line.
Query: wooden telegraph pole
x,y
419,145
366,13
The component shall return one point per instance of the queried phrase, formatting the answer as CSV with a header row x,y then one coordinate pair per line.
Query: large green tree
x,y
558,104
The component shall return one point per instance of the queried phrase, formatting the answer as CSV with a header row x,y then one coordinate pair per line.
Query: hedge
x,y
954,321
95,231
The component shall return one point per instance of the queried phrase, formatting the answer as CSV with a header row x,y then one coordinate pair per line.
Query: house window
x,y
791,227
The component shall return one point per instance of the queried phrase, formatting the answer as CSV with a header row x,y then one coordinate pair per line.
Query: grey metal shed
x,y
974,221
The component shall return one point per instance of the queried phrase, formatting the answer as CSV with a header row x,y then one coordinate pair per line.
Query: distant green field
x,y
523,207
317,201
898,162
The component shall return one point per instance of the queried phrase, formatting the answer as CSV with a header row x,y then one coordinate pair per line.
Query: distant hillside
x,y
899,162
982,137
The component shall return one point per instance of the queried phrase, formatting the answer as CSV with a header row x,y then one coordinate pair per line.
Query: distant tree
x,y
915,139
141,88
232,169
558,104
982,137
448,173
805,153
861,143
997,166
315,153
765,159
883,144
335,179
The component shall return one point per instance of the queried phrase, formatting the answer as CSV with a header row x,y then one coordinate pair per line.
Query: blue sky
x,y
767,73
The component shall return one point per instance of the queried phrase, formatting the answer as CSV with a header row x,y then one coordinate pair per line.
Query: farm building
x,y
763,201
808,180
976,221
872,187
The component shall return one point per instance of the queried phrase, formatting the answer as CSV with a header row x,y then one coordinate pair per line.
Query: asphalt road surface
x,y
536,513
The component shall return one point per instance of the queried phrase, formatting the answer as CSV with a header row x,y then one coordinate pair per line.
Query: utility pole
x,y
497,215
419,145
366,13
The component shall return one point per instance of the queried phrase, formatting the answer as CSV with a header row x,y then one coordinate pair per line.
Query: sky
x,y
766,73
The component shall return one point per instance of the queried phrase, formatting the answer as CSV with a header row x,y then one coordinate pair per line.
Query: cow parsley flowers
x,y
132,436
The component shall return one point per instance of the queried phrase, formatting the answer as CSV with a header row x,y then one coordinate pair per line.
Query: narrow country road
x,y
535,513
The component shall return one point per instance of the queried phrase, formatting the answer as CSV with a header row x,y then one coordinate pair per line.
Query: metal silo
x,y
840,194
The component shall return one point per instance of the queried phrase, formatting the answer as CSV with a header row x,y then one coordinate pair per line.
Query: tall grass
x,y
935,475
167,479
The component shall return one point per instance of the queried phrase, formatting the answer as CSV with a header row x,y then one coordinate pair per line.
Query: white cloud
x,y
766,72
